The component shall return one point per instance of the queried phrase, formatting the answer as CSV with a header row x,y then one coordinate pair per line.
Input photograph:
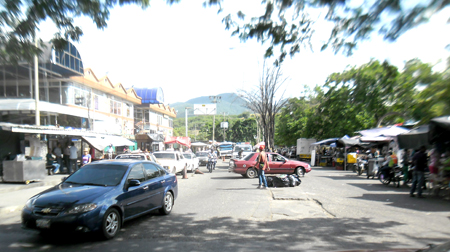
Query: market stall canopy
x,y
375,139
384,131
415,138
178,140
199,144
334,144
440,130
326,141
348,142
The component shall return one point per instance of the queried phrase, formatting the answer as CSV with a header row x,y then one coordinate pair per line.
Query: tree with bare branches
x,y
263,100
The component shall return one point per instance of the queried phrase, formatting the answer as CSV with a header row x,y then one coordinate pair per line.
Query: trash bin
x,y
374,165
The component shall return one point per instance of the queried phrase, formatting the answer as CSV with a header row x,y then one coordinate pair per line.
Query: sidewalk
x,y
15,195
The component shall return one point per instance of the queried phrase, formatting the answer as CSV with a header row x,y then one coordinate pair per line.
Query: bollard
x,y
185,173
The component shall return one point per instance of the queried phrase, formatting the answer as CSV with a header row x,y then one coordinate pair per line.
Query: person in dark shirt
x,y
51,161
419,160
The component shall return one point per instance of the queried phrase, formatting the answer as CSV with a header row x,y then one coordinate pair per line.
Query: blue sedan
x,y
101,196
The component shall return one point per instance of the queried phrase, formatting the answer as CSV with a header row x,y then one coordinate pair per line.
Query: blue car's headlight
x,y
83,208
30,203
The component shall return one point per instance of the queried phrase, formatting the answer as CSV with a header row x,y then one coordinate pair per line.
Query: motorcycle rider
x,y
212,159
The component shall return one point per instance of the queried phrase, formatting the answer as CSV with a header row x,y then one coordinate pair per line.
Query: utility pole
x,y
215,100
224,126
186,118
36,78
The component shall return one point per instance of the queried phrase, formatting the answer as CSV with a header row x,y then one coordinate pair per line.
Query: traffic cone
x,y
198,171
185,173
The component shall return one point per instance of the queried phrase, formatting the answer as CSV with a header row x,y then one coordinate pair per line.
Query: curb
x,y
16,186
9,209
288,195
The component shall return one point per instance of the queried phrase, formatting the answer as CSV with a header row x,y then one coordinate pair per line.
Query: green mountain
x,y
230,103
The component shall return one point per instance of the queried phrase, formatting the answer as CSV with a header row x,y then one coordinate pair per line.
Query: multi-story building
x,y
153,119
69,95
73,100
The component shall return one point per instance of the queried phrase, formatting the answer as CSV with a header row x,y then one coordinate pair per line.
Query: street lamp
x,y
186,116
215,99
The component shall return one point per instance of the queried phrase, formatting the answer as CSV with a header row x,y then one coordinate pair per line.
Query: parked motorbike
x,y
362,166
387,174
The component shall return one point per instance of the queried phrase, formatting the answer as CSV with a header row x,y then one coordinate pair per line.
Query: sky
x,y
185,49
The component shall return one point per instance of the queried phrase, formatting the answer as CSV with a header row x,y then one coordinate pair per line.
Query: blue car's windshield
x,y
98,174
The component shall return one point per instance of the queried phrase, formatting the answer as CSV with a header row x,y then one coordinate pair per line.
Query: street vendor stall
x,y
439,136
324,158
350,158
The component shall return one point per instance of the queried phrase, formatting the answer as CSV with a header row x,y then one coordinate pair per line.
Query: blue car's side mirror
x,y
134,182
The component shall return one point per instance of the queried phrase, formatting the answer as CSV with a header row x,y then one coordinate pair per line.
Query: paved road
x,y
330,210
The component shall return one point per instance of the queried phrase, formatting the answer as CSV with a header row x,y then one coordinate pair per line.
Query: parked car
x,y
139,156
278,165
101,196
192,161
202,157
173,161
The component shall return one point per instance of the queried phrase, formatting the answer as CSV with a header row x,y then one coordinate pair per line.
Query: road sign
x,y
224,125
205,109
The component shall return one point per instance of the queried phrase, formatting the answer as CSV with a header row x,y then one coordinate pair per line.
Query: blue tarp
x,y
150,95
326,141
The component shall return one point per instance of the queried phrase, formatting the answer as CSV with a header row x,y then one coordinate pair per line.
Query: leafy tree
x,y
434,99
292,120
19,21
354,100
243,131
289,25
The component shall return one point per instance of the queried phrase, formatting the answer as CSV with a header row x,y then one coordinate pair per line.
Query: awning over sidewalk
x,y
178,140
156,137
101,142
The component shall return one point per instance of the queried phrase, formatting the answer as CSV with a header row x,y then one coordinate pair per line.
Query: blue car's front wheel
x,y
168,204
111,223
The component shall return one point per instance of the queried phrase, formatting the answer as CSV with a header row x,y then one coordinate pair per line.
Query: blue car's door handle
x,y
145,187
162,181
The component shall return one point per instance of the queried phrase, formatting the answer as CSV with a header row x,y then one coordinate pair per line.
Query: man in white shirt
x,y
110,151
73,158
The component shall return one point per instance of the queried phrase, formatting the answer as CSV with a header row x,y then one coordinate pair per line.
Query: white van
x,y
245,148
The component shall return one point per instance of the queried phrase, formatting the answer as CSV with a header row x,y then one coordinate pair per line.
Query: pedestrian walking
x,y
405,168
51,161
58,154
110,151
262,165
420,164
73,158
86,159
66,157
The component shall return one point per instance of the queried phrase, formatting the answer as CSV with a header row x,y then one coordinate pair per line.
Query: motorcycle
x,y
387,174
362,166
